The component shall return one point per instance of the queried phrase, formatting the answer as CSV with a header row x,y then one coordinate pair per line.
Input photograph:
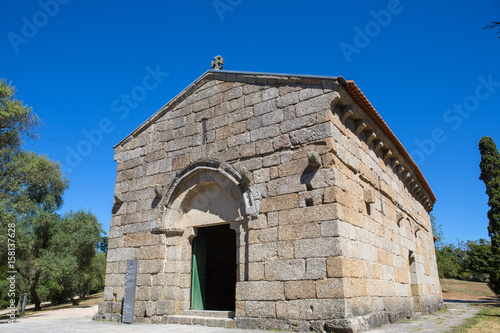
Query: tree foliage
x,y
479,258
70,258
450,260
490,175
471,260
27,181
55,257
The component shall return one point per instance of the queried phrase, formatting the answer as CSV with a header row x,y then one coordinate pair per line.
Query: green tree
x,y
27,181
478,259
72,260
31,189
450,260
33,236
490,175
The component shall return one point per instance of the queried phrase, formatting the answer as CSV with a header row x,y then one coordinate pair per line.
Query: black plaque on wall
x,y
129,297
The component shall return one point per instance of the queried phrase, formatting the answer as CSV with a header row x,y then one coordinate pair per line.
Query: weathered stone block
x,y
284,270
281,141
316,247
262,252
264,107
299,231
330,288
149,266
313,133
120,254
307,93
385,257
315,268
279,203
256,271
345,267
260,291
264,132
355,287
316,104
300,289
311,309
270,93
288,99
260,309
286,250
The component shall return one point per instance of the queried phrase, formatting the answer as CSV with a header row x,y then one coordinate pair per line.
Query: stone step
x,y
204,321
208,313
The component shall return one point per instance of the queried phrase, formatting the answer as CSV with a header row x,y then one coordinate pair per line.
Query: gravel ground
x,y
80,320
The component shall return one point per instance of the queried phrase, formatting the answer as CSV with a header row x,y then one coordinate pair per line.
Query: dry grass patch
x,y
458,289
90,300
486,321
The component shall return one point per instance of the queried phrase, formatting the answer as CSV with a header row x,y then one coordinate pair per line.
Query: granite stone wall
x,y
332,219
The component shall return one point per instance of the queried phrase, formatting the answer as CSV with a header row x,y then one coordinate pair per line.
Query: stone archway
x,y
206,192
201,212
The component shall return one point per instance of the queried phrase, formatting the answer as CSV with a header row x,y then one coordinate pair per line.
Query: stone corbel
x,y
418,191
395,163
360,128
401,169
314,159
368,196
118,199
388,155
348,114
379,145
371,137
158,191
246,176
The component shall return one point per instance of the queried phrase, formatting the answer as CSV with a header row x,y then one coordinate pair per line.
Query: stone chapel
x,y
270,201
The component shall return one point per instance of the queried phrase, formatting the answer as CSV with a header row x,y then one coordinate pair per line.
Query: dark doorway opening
x,y
213,285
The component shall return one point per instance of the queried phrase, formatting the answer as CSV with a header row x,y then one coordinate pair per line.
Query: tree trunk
x,y
73,300
34,294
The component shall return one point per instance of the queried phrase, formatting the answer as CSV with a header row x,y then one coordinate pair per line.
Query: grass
x,y
486,321
477,289
90,300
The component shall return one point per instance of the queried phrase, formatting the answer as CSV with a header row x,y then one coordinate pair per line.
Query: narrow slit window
x,y
204,131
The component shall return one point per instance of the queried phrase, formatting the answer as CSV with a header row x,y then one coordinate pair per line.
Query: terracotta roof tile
x,y
368,108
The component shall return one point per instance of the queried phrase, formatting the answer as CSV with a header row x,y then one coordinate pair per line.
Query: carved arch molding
x,y
206,192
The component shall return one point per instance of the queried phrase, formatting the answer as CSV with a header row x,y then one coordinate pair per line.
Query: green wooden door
x,y
198,280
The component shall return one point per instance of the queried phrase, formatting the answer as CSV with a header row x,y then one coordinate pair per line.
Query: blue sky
x,y
428,67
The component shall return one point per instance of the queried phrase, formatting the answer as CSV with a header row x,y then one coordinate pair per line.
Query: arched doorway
x,y
201,212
